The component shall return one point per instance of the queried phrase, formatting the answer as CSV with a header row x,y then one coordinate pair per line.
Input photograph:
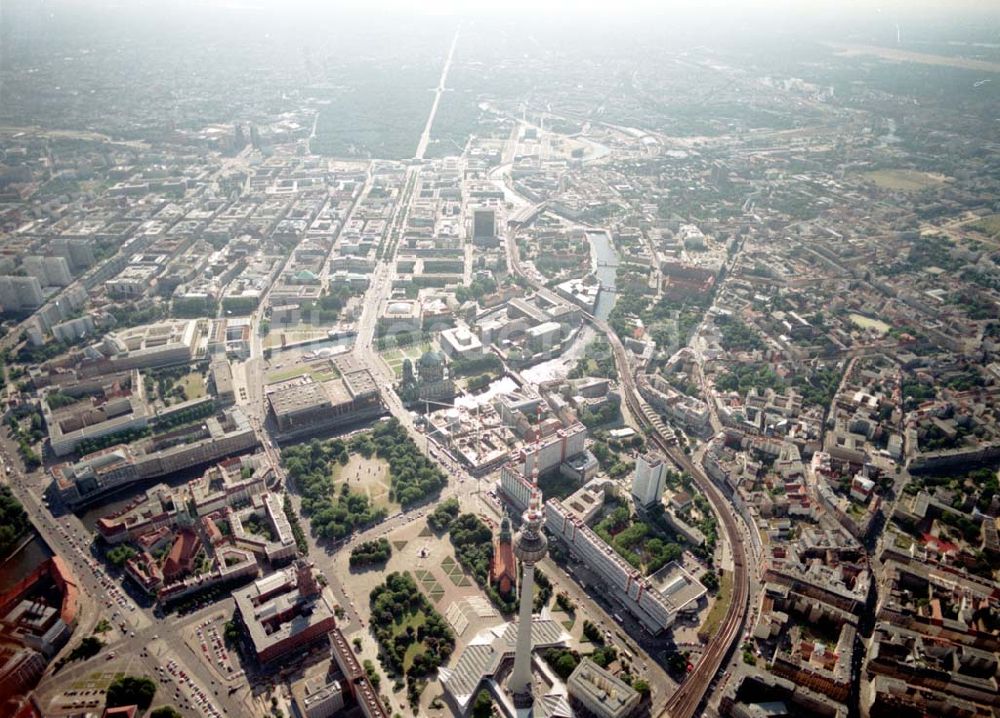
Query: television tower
x,y
530,546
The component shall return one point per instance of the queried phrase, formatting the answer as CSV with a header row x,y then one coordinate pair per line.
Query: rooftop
x,y
600,686
482,657
274,610
301,396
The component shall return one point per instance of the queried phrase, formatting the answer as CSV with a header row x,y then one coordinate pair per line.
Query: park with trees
x,y
127,690
333,513
441,518
14,521
636,541
413,638
371,553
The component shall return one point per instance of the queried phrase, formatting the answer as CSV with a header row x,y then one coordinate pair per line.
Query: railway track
x,y
686,700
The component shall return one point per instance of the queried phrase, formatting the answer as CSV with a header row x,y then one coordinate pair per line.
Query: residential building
x,y
18,293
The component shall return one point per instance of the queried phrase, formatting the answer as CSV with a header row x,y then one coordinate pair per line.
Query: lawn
x,y
366,476
719,608
902,541
429,584
322,370
903,180
454,571
869,323
416,620
95,682
194,385
394,357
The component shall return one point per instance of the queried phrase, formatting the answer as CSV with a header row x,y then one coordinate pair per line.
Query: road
x,y
68,538
165,653
439,90
101,597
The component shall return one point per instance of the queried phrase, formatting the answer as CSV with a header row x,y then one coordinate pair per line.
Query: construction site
x,y
478,437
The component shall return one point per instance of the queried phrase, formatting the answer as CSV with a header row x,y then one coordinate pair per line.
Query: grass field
x,y
869,323
394,357
904,180
429,584
718,611
416,620
366,476
321,370
990,226
194,385
896,55
455,572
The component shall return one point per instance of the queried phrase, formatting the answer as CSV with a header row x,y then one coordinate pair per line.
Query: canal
x,y
24,561
604,261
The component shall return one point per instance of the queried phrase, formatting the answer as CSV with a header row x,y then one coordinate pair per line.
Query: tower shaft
x,y
520,677
530,546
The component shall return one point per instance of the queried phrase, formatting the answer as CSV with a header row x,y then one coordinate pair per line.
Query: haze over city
x,y
634,359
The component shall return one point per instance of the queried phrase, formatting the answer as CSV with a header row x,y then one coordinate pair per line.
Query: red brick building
x,y
503,568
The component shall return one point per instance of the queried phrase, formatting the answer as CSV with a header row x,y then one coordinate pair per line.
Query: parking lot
x,y
212,649
186,692
85,693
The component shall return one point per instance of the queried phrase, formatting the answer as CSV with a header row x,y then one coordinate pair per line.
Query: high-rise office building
x,y
484,227
649,479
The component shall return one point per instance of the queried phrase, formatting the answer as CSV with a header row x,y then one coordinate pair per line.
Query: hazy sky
x,y
567,7
603,7
868,21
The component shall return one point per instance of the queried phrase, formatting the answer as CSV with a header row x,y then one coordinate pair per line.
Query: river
x,y
118,500
604,261
24,561
604,264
